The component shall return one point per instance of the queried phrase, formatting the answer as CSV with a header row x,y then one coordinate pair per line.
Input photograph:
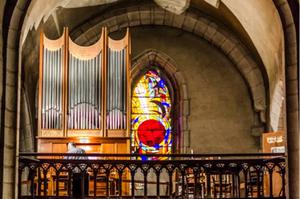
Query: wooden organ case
x,y
84,94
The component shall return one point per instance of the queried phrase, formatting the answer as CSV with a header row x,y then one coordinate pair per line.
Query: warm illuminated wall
x,y
220,110
221,115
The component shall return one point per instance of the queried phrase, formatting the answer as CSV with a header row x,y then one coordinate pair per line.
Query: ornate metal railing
x,y
177,176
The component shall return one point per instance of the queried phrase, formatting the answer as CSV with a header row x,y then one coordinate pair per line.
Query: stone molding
x,y
190,21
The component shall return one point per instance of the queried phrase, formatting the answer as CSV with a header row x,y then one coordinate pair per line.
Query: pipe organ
x,y
52,89
85,80
116,89
84,90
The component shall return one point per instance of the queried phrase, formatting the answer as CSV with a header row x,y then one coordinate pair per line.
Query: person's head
x,y
71,145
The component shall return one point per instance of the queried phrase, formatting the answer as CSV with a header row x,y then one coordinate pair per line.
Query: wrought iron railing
x,y
46,175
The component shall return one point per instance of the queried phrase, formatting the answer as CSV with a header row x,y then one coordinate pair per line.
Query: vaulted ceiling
x,y
257,23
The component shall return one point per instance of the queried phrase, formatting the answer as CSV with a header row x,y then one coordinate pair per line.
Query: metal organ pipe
x,y
70,99
89,95
98,80
52,89
83,102
93,89
84,92
113,88
116,89
50,67
124,87
108,95
60,89
76,94
80,94
44,88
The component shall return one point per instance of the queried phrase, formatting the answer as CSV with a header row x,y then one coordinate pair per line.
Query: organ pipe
x,y
83,88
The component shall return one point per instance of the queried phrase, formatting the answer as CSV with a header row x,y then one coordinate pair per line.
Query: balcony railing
x,y
46,175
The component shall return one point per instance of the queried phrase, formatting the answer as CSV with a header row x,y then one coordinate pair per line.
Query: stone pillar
x,y
13,15
292,96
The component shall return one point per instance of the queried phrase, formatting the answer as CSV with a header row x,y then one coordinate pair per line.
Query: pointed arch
x,y
178,90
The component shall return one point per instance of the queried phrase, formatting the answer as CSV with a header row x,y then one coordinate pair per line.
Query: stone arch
x,y
181,102
26,127
291,92
193,22
14,13
12,21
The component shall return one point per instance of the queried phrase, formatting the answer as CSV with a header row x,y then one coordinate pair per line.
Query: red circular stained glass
x,y
151,132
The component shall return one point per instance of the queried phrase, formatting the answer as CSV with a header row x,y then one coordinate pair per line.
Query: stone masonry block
x,y
228,45
186,107
288,15
110,22
112,28
10,119
159,16
11,79
145,17
90,34
291,72
22,4
185,123
210,31
178,21
15,20
291,57
12,39
237,54
184,92
8,176
11,98
171,68
122,20
179,78
245,65
291,35
169,18
189,23
218,38
187,139
11,60
134,18
294,119
258,97
10,138
201,26
292,87
254,77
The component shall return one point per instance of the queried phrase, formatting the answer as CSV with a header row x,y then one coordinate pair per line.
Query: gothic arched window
x,y
151,115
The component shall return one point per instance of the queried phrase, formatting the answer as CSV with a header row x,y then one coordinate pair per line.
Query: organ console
x,y
84,92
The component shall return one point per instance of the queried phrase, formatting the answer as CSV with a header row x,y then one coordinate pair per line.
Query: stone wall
x,y
220,112
292,94
221,115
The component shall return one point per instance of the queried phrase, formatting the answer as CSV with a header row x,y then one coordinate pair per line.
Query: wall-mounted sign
x,y
273,142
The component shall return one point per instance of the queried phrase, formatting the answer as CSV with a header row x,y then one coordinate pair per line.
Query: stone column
x,y
292,96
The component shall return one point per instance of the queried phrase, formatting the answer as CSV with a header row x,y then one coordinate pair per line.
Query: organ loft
x,y
83,94
149,99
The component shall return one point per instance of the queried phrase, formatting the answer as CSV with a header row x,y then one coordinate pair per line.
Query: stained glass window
x,y
151,121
